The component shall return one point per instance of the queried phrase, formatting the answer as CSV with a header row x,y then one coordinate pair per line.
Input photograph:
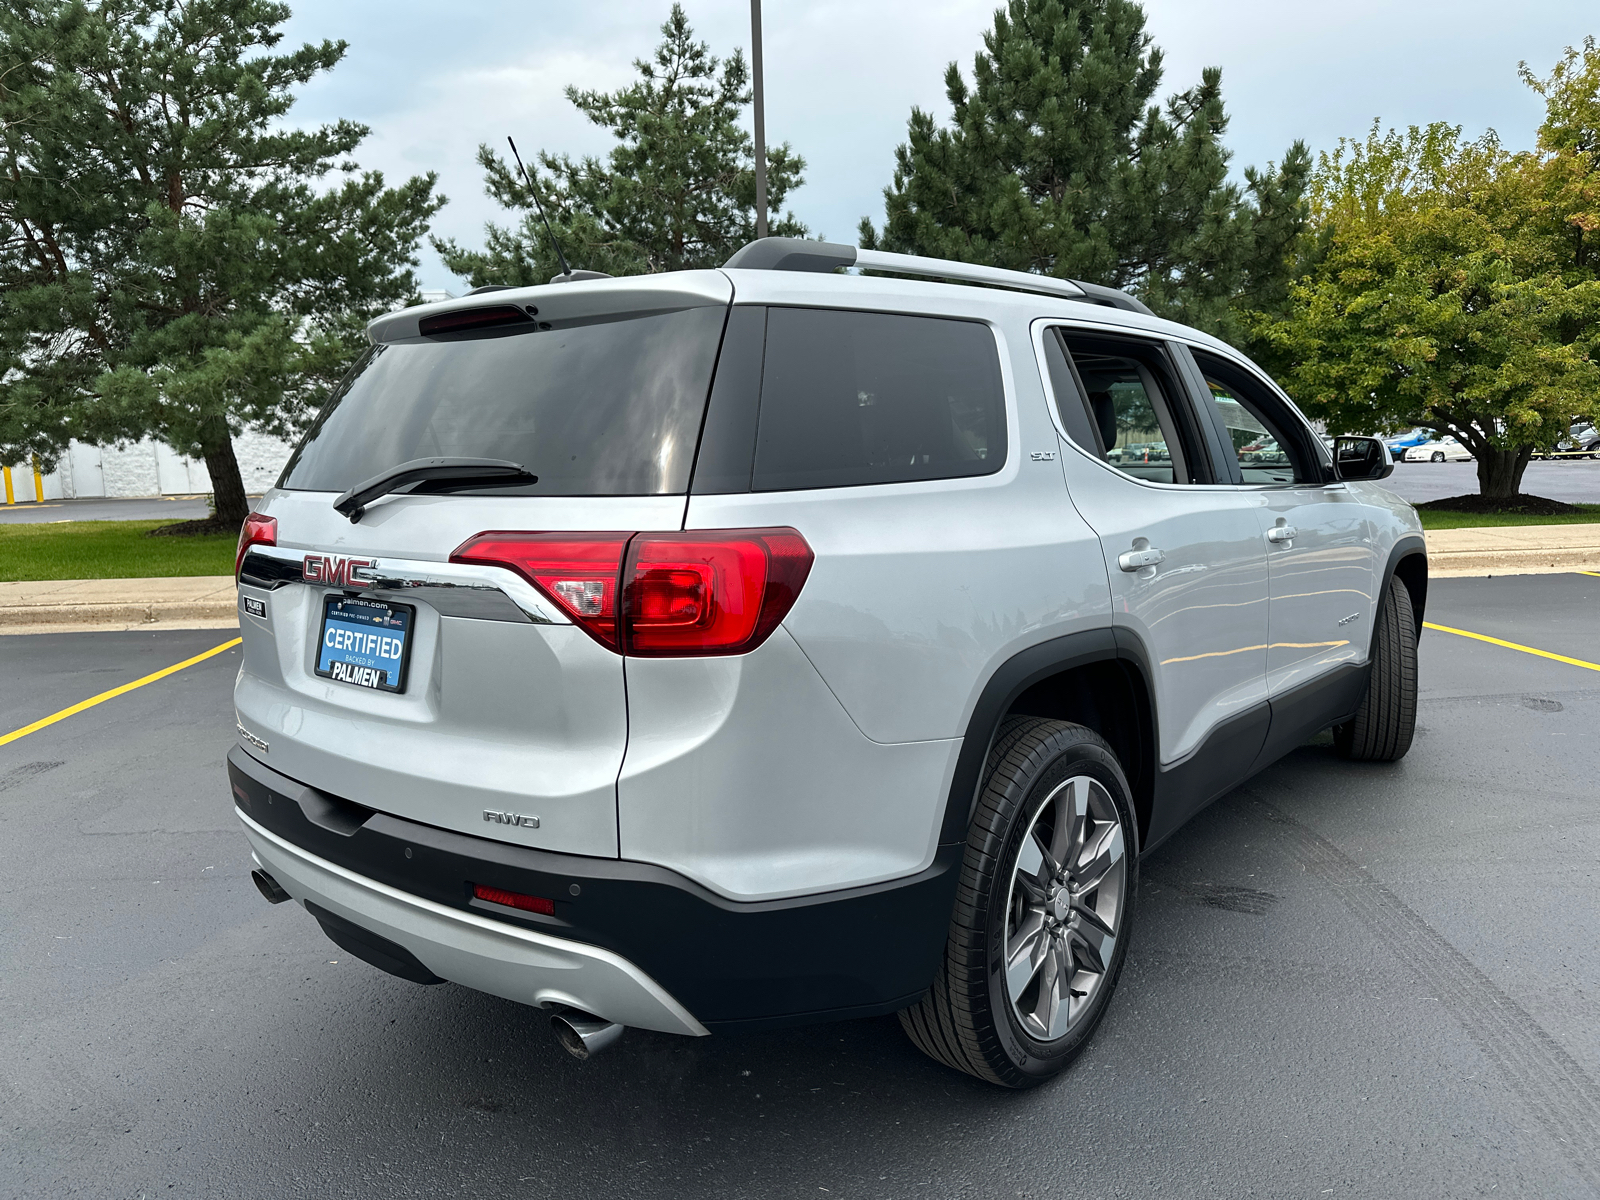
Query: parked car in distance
x,y
1401,442
1266,450
1582,441
1446,449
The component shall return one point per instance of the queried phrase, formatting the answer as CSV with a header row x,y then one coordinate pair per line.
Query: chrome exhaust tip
x,y
269,887
582,1035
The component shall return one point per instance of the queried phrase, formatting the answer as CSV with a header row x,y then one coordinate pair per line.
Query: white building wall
x,y
149,468
127,470
261,459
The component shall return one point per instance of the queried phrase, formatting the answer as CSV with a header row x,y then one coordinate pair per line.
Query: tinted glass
x,y
852,398
1262,457
728,441
1126,397
593,408
1262,440
1069,395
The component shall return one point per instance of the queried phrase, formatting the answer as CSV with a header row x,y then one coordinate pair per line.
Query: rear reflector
x,y
660,595
496,895
256,531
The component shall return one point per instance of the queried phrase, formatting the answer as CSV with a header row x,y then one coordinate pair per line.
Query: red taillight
x,y
496,895
719,591
257,530
576,570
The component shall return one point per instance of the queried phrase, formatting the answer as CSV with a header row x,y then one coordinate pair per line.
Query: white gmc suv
x,y
784,643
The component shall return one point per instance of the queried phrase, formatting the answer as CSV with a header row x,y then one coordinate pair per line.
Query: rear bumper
x,y
631,942
478,952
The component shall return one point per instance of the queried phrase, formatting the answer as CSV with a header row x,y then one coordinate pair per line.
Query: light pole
x,y
761,122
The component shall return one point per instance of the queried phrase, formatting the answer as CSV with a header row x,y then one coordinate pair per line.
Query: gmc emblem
x,y
334,570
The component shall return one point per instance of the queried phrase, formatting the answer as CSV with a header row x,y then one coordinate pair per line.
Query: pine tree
x,y
1057,161
677,191
174,261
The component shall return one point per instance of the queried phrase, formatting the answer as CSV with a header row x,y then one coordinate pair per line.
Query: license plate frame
x,y
351,666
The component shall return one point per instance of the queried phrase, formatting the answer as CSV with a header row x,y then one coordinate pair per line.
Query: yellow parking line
x,y
116,691
1494,641
1596,574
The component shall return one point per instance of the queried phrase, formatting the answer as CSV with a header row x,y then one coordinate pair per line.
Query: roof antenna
x,y
567,273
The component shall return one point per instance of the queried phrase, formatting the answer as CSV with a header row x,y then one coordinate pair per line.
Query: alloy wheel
x,y
1064,908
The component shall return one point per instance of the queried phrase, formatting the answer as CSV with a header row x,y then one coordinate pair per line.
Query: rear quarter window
x,y
851,398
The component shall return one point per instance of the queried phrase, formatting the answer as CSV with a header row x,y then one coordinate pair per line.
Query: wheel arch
x,y
1098,678
1408,562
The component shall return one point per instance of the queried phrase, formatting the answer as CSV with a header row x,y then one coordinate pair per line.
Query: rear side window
x,y
851,398
1128,398
595,407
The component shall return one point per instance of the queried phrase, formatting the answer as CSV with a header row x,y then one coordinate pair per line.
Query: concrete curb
x,y
112,614
230,623
56,606
1513,550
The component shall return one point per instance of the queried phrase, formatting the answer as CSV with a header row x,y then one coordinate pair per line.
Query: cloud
x,y
433,82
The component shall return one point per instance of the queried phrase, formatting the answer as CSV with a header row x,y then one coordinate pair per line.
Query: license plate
x,y
365,642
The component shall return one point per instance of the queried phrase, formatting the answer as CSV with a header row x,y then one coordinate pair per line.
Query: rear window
x,y
850,398
600,407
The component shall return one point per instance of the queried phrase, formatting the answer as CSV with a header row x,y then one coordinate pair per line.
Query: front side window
x,y
851,398
1270,444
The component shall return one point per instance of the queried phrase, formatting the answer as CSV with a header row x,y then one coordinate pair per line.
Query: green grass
x,y
1434,519
108,550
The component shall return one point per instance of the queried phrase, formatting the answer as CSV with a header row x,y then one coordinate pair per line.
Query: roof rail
x,y
1110,297
798,254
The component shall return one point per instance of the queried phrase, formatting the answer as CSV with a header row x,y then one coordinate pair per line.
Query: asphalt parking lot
x,y
1572,480
138,508
1346,980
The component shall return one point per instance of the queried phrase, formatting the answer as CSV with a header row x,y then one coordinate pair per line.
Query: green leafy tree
x,y
1455,284
678,190
1058,161
174,261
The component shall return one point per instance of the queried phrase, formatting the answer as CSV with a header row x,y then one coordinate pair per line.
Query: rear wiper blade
x,y
419,470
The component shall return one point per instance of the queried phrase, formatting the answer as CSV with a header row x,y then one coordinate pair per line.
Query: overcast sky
x,y
433,80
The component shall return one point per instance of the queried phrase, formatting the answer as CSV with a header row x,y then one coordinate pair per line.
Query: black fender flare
x,y
1407,546
1015,676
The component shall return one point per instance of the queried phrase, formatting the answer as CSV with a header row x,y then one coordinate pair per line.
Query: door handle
x,y
1135,560
1282,533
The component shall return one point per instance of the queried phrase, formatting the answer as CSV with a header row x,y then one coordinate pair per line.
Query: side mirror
x,y
1361,458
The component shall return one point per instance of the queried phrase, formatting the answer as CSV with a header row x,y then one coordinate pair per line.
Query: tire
x,y
1383,726
1040,773
1438,456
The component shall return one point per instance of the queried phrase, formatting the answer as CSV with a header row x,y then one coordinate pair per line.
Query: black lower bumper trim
x,y
733,965
369,947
